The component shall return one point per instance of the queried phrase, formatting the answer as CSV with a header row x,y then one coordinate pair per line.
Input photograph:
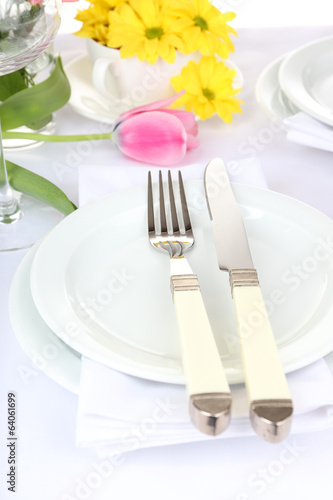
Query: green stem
x,y
54,138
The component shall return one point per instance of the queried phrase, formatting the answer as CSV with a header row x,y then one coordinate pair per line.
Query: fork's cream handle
x,y
207,385
270,402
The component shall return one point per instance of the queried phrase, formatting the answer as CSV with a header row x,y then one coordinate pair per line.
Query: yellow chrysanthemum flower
x,y
203,27
92,18
208,89
95,23
143,28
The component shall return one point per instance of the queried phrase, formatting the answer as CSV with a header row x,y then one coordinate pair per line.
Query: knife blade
x,y
271,407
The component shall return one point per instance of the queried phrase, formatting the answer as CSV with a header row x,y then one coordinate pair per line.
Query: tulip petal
x,y
153,106
153,137
187,118
192,142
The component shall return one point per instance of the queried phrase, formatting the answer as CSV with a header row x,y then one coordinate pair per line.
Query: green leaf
x,y
28,16
28,182
11,84
32,104
37,125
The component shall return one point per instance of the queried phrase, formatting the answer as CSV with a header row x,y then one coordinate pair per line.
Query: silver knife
x,y
271,407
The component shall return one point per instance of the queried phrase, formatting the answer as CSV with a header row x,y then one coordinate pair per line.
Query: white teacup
x,y
131,82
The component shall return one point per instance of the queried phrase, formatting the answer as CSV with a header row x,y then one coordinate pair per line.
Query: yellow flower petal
x,y
183,100
151,46
172,54
177,82
172,40
191,79
223,112
145,9
207,68
164,50
201,111
209,109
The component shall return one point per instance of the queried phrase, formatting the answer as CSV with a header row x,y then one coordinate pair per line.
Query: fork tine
x,y
174,218
186,215
151,220
164,227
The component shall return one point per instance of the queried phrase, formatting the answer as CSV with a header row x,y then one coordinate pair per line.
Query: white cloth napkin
x,y
96,180
308,131
119,412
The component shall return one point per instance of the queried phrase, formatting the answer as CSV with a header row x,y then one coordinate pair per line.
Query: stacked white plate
x,y
299,81
95,286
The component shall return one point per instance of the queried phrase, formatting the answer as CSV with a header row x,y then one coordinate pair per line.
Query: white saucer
x,y
271,97
306,77
87,101
102,288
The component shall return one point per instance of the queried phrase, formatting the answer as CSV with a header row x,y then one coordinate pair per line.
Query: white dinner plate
x,y
102,288
271,97
306,77
52,356
87,101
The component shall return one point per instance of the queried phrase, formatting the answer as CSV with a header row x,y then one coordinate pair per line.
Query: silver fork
x,y
206,382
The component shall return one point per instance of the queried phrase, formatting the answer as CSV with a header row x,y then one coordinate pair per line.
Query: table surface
x,y
49,464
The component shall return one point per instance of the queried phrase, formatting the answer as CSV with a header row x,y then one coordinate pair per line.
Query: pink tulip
x,y
153,134
150,133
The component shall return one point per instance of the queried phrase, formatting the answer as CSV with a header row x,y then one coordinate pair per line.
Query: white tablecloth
x,y
49,464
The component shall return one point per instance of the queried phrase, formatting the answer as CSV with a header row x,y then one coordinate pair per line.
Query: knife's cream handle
x,y
265,380
207,385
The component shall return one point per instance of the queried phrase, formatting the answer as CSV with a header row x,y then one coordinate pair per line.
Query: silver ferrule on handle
x,y
184,283
243,277
271,419
211,413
